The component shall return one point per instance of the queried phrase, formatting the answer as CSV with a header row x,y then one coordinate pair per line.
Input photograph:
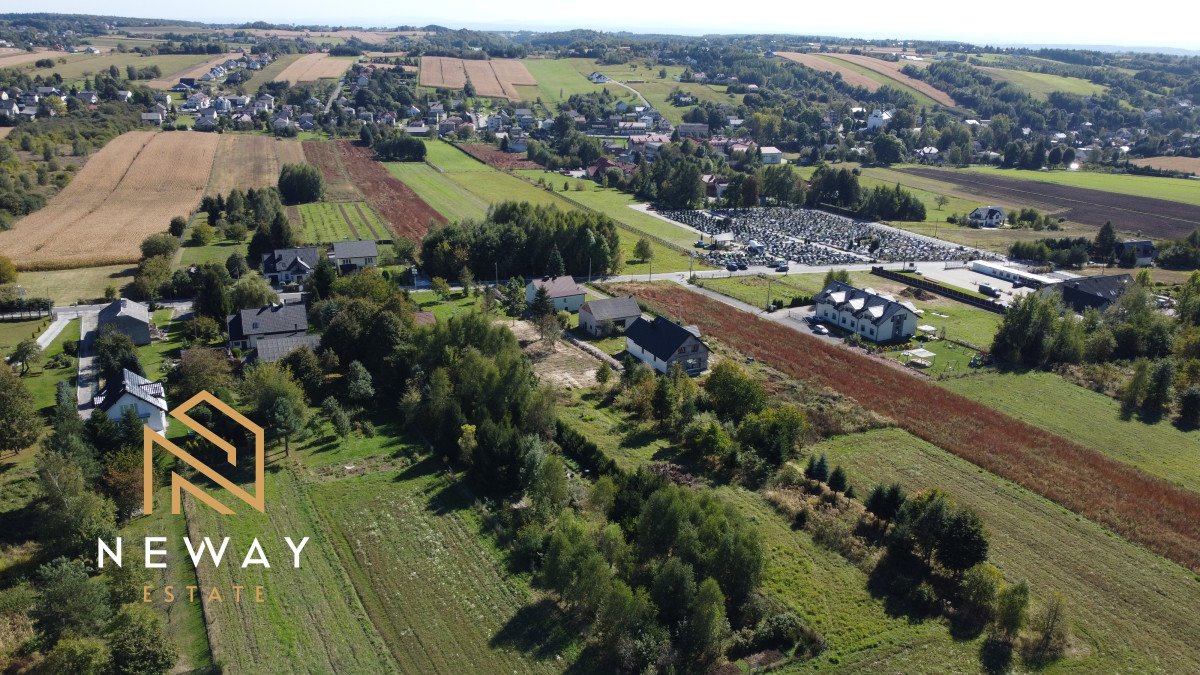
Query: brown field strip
x,y
245,161
126,192
406,214
369,37
21,58
1144,509
338,187
1158,218
497,78
1185,164
196,71
313,67
814,61
891,69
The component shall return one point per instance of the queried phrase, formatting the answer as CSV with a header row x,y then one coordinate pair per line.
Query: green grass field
x,y
1130,610
1091,418
443,194
615,204
559,79
1171,189
452,160
65,287
79,66
445,309
273,69
1040,85
754,290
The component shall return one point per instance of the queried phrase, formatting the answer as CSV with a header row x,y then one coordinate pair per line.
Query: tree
x,y
28,353
548,329
177,226
1012,610
603,373
200,369
962,543
251,292
203,234
888,149
1052,627
836,275
941,201
236,265
1158,388
775,433
885,501
322,279
837,479
732,393
161,244
707,625
80,656
274,399
643,250
555,267
1105,245
358,383
212,292
139,643
300,183
116,352
542,306
71,516
337,416
1189,408
817,468
549,490
68,601
441,287
467,280
305,368
8,271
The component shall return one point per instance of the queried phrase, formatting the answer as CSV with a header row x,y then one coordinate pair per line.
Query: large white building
x,y
875,316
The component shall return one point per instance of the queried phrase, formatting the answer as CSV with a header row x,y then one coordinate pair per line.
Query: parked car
x,y
699,244
782,268
731,267
820,329
742,266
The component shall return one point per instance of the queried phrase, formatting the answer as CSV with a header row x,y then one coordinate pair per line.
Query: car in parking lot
x,y
743,266
731,267
820,329
782,268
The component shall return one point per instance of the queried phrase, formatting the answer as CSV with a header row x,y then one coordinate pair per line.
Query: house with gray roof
x,y
662,343
142,395
351,256
563,292
129,317
248,326
289,265
602,317
875,316
272,349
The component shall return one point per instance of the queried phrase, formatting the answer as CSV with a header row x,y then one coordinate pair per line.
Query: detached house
x,y
1091,292
351,256
875,316
289,265
661,343
599,317
249,326
987,216
135,392
563,292
128,317
1141,251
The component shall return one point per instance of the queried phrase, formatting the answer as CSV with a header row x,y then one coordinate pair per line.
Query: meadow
x,y
78,66
65,287
1041,85
558,80
1179,190
1130,609
251,161
878,70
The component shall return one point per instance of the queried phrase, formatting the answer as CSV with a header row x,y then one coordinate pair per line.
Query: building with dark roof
x,y
1092,292
351,256
248,326
272,349
289,265
662,343
129,317
136,392
563,292
598,317
1138,252
876,316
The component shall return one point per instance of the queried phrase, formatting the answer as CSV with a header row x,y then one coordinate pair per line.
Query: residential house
x,y
421,129
135,392
693,130
124,96
1140,251
661,343
598,78
875,316
563,292
248,326
129,317
154,118
600,167
272,349
10,109
600,317
1085,293
88,97
351,256
878,119
771,155
289,265
987,216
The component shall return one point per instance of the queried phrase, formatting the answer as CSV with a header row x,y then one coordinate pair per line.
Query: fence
x,y
941,289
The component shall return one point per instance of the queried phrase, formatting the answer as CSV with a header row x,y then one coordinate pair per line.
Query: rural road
x,y
85,381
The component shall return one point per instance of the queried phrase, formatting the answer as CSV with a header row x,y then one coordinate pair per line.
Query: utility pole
x,y
651,261
496,263
589,270
769,293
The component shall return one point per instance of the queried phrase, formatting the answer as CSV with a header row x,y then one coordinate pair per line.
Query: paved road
x,y
85,382
52,331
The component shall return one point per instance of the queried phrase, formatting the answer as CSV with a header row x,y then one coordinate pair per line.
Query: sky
x,y
1011,22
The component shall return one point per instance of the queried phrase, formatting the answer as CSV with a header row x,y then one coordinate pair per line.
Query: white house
x,y
878,119
662,343
136,392
598,316
771,155
987,216
349,256
875,316
563,292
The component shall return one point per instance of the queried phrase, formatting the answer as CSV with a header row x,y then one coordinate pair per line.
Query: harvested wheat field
x,y
245,161
891,69
370,37
126,192
814,61
22,57
313,67
497,78
197,71
1184,164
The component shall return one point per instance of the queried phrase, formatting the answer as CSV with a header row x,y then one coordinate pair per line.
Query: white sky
x,y
1169,23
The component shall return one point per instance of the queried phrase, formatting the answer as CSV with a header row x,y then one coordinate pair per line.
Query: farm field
x,y
497,158
65,287
1185,164
311,619
494,78
273,69
442,194
1151,216
170,78
450,158
372,37
325,156
616,205
313,67
12,59
1162,517
79,66
246,161
1130,610
1040,85
1180,190
559,79
327,222
406,214
1093,419
891,70
440,598
818,62
129,190
655,89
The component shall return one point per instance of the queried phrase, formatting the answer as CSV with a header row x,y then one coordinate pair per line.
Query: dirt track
x,y
1157,218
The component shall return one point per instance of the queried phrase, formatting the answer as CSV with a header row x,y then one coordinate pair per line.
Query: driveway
x,y
85,383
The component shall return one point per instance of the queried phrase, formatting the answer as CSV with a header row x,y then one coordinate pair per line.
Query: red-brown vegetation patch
x,y
1157,218
406,214
493,156
1144,509
338,187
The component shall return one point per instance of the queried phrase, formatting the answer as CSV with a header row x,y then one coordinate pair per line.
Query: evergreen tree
x,y
555,266
837,479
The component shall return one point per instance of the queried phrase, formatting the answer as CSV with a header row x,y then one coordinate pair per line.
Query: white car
x,y
820,330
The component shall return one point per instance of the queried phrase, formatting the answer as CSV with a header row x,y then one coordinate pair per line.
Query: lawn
x,y
629,442
1131,611
156,355
444,309
754,290
1040,85
1050,402
951,359
218,251
66,287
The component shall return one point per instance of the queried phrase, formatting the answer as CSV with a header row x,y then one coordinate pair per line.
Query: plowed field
x,y
406,214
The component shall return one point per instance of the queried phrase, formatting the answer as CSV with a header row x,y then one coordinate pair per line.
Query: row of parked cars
x,y
736,266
